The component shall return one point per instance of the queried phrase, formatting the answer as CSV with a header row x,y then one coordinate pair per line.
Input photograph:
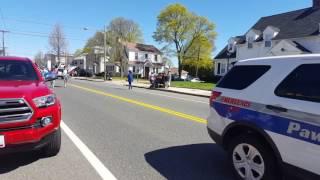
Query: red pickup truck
x,y
30,112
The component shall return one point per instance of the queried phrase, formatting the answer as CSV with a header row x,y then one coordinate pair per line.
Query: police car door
x,y
295,111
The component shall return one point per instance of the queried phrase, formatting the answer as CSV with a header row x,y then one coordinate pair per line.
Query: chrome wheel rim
x,y
248,162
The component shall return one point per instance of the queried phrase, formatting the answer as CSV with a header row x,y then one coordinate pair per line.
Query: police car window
x,y
303,84
240,77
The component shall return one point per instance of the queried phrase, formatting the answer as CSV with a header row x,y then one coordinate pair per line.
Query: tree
x,y
96,40
120,31
78,52
57,41
199,55
180,29
39,59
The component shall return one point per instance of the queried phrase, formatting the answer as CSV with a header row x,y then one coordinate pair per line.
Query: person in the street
x,y
130,79
65,76
54,72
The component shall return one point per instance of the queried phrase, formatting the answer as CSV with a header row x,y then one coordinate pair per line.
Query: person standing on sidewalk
x,y
130,79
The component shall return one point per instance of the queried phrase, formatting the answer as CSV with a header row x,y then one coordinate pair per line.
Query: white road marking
x,y
104,173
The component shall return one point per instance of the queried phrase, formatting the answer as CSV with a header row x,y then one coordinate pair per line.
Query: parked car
x,y
265,113
197,80
30,113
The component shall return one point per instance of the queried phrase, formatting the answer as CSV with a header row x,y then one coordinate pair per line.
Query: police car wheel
x,y
251,159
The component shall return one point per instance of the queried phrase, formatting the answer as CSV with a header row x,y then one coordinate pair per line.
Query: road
x,y
138,134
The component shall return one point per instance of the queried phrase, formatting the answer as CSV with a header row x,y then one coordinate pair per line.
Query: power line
x,y
43,35
48,24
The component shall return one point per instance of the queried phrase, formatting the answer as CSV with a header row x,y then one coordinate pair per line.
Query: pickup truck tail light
x,y
214,96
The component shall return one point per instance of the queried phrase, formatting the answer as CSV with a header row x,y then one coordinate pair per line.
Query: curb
x,y
155,89
172,91
88,79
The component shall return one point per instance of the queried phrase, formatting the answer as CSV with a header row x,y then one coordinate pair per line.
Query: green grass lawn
x,y
192,85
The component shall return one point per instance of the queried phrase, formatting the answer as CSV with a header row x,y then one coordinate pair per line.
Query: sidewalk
x,y
192,92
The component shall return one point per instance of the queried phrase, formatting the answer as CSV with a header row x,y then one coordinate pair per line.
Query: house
x,y
92,62
290,33
139,58
143,59
53,60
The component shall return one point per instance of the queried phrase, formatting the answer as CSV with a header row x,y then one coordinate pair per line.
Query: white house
x,y
295,32
143,59
93,62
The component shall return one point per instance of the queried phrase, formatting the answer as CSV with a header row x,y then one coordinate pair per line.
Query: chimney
x,y
316,4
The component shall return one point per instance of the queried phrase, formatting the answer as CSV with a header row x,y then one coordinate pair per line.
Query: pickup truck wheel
x,y
252,159
53,148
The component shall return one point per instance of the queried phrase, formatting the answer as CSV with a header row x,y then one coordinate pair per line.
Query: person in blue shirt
x,y
130,79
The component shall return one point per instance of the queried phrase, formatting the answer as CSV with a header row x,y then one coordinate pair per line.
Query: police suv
x,y
266,113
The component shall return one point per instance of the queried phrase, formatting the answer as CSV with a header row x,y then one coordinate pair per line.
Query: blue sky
x,y
33,17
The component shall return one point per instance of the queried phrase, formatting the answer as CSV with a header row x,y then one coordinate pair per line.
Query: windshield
x,y
17,70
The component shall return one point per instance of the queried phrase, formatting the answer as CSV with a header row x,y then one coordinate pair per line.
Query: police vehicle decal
x,y
278,124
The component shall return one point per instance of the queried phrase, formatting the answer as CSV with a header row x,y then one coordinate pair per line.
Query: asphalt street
x,y
136,134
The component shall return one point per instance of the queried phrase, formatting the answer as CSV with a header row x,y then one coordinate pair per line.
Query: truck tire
x,y
251,158
53,148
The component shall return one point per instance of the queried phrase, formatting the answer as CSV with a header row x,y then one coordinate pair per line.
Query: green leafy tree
x,y
180,29
199,56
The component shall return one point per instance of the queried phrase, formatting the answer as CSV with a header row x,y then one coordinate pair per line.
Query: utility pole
x,y
105,52
3,47
197,68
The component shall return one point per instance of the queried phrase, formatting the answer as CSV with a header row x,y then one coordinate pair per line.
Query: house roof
x,y
223,54
302,48
294,24
142,47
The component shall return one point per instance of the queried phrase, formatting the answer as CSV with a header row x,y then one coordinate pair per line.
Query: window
x,y
302,84
17,70
136,56
155,57
81,61
134,69
230,47
250,42
267,40
146,56
223,68
240,77
219,67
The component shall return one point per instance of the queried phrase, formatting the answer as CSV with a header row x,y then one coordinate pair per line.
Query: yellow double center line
x,y
150,106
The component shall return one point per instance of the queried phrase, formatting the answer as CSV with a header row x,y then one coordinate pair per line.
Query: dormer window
x,y
230,47
268,40
232,44
250,42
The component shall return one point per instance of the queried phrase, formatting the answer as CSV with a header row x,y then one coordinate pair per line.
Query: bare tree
x,y
39,59
119,32
57,41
